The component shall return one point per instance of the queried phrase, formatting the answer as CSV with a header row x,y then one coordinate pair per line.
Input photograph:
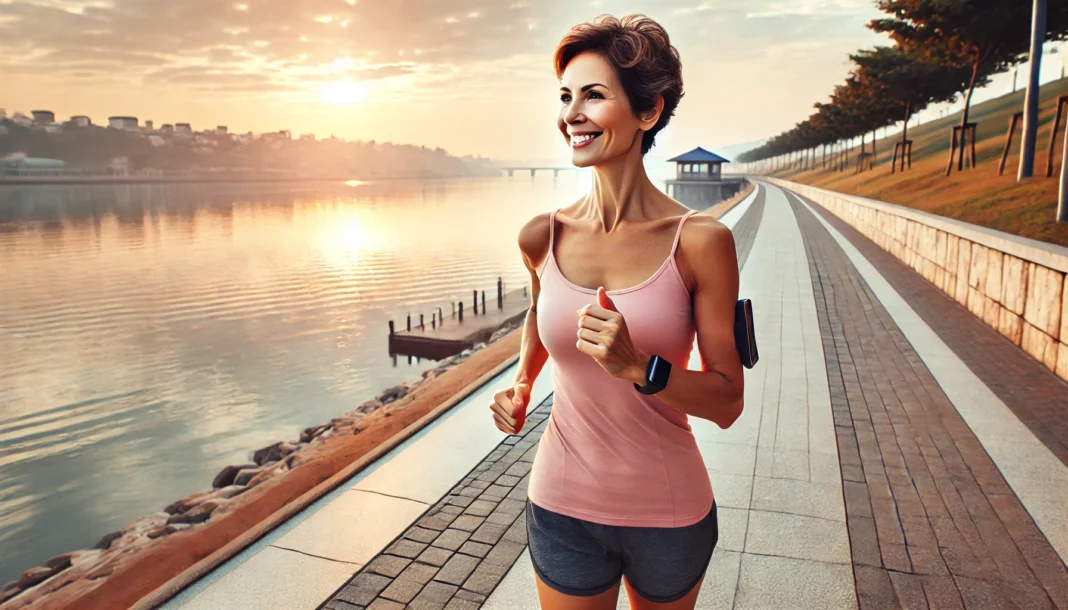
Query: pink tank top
x,y
609,454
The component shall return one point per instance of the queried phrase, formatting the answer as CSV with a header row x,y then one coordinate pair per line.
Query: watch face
x,y
661,370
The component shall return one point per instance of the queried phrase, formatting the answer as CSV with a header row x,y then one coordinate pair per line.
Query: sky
x,y
471,77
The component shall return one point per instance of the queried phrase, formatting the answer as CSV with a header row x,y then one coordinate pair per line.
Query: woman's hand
x,y
603,334
510,408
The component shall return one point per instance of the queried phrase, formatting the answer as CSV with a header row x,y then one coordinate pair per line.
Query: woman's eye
x,y
596,95
565,98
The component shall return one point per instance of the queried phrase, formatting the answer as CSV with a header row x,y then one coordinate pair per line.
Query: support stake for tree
x,y
1008,141
1062,101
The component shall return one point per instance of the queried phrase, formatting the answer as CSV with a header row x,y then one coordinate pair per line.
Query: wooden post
x,y
908,146
440,317
454,308
524,291
952,149
474,304
391,328
1061,102
971,142
500,294
1008,142
483,302
433,319
409,321
421,327
461,311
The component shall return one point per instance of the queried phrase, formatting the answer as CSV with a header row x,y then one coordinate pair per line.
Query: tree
x,y
906,82
989,35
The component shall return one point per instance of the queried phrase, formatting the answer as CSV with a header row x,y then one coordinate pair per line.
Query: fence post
x,y
391,327
483,302
421,327
433,319
409,321
440,317
461,311
500,294
474,304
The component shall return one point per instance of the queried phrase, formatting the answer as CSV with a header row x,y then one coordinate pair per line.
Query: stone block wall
x,y
1016,285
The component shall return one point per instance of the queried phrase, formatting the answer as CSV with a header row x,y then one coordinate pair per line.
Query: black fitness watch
x,y
656,376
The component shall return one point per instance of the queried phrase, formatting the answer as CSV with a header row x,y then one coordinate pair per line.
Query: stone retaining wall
x,y
1014,284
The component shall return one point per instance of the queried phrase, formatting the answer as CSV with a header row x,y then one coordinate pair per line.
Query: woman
x,y
627,278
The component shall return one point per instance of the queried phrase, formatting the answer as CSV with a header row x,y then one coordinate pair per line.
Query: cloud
x,y
810,8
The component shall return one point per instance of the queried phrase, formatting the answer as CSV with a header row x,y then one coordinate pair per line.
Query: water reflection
x,y
151,334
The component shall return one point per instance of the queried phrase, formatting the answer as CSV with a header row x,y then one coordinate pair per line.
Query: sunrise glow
x,y
344,93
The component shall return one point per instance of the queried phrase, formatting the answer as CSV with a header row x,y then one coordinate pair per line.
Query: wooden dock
x,y
437,337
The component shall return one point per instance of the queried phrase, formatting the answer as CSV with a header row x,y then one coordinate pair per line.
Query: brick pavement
x,y
461,547
932,522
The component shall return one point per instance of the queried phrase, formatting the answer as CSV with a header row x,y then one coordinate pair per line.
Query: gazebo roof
x,y
698,155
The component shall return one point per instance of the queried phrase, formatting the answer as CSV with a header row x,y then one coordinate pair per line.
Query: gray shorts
x,y
577,557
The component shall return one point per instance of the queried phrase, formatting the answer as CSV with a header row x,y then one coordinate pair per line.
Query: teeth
x,y
582,138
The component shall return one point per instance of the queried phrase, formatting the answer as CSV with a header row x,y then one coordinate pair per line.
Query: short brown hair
x,y
641,53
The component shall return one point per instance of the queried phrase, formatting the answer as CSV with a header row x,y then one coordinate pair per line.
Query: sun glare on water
x,y
344,93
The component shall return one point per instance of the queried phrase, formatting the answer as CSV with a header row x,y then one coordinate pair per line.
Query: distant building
x,y
166,129
3,114
220,130
183,128
307,137
80,120
122,122
699,179
18,164
148,125
43,117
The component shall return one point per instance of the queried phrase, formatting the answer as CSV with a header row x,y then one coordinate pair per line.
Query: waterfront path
x,y
891,455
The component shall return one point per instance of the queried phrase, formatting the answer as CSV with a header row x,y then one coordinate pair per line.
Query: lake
x,y
151,335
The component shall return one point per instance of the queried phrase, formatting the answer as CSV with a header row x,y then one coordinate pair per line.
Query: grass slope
x,y
978,196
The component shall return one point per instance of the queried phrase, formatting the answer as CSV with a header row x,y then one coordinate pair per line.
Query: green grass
x,y
978,195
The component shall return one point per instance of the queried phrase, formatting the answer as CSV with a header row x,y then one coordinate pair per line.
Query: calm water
x,y
150,335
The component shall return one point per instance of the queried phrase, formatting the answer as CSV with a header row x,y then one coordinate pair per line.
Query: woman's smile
x,y
582,140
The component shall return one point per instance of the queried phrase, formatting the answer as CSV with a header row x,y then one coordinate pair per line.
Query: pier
x,y
555,170
467,324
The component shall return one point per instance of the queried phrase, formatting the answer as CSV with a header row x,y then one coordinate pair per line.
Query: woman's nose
x,y
573,114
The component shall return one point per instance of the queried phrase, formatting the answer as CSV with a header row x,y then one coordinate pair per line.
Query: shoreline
x,y
113,180
154,550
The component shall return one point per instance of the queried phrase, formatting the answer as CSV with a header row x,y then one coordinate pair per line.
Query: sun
x,y
343,93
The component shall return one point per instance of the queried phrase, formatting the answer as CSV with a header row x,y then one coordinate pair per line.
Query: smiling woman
x,y
343,93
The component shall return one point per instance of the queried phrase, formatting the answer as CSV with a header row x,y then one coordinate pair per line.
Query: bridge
x,y
555,170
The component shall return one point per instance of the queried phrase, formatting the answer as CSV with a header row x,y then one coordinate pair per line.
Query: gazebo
x,y
699,181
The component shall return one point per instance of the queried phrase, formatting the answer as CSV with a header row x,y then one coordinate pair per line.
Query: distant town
x,y
39,148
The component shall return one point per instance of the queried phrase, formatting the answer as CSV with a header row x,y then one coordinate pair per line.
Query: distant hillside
x,y
978,196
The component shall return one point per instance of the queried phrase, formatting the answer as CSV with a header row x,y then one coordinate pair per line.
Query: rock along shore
x,y
156,547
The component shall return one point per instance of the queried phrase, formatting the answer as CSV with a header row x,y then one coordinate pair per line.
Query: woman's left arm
x,y
716,392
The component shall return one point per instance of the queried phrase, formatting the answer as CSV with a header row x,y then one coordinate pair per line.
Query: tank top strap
x,y
552,228
678,233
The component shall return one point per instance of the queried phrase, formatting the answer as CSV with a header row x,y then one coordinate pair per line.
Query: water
x,y
150,335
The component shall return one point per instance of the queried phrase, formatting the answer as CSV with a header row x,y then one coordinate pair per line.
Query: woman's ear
x,y
650,117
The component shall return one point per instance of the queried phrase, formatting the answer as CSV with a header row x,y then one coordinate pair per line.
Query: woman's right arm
x,y
534,246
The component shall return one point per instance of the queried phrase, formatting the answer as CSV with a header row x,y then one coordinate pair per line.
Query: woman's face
x,y
595,115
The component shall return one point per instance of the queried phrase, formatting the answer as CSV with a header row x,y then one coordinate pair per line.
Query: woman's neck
x,y
621,190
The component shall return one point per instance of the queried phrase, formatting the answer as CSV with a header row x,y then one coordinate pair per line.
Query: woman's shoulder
x,y
704,238
534,236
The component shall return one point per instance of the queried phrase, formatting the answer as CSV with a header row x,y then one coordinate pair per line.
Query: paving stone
x,y
457,569
489,533
410,582
466,595
518,531
480,508
504,553
435,556
362,589
385,604
495,492
516,470
462,604
434,596
463,501
476,549
388,565
471,492
468,523
421,534
452,539
406,548
485,578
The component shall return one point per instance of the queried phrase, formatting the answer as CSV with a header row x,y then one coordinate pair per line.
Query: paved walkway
x,y
893,453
